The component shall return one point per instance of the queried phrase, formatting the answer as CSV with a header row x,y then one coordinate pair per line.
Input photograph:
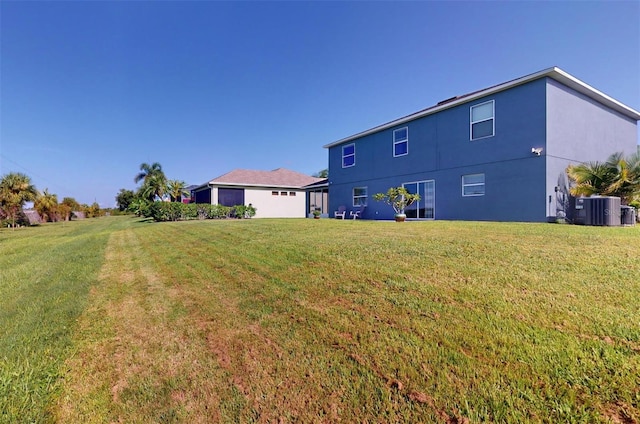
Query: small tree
x,y
68,205
139,206
177,189
47,206
15,190
322,174
154,182
64,211
93,211
398,197
124,199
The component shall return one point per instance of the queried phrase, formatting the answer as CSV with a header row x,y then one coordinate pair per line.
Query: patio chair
x,y
340,213
358,212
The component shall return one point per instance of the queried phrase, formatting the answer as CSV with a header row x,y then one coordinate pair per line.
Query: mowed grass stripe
x,y
282,376
356,321
45,276
140,360
463,322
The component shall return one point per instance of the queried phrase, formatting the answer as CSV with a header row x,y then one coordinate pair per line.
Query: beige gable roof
x,y
280,177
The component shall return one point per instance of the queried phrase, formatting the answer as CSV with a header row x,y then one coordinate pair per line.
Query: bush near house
x,y
175,211
242,211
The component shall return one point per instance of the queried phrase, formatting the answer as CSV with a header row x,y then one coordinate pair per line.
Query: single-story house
x,y
275,194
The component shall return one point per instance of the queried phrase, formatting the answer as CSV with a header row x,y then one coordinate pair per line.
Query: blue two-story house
x,y
497,154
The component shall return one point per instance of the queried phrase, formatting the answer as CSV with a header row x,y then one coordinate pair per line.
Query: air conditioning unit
x,y
576,210
627,215
598,210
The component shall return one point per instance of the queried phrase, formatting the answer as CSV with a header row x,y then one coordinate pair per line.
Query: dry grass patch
x,y
138,360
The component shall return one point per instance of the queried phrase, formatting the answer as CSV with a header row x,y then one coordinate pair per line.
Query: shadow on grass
x,y
145,221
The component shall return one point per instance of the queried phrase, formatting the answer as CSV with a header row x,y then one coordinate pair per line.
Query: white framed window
x,y
473,185
348,155
482,120
401,142
359,196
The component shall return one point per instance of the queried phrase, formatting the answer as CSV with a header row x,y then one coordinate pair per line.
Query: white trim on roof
x,y
554,73
212,184
216,184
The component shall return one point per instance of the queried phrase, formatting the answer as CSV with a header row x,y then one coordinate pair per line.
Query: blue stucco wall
x,y
440,149
519,186
580,129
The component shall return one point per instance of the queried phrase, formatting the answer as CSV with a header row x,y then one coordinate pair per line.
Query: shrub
x,y
213,211
242,211
140,207
175,211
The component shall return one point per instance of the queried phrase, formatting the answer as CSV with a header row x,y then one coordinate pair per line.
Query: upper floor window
x,y
473,185
348,155
482,120
401,142
359,196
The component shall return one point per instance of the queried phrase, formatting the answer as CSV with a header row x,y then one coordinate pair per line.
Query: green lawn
x,y
121,320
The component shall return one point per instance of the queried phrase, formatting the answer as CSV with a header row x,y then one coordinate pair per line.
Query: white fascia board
x,y
200,187
554,72
597,95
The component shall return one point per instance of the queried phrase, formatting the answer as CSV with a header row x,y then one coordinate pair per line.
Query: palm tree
x,y
67,206
154,182
617,176
590,178
626,176
147,171
154,187
64,212
47,205
15,190
177,189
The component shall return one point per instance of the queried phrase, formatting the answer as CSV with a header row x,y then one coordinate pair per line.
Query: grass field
x,y
121,320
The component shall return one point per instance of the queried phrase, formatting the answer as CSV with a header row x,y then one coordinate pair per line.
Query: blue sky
x,y
90,90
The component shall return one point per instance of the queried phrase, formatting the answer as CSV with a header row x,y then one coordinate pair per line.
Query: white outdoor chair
x,y
340,213
357,213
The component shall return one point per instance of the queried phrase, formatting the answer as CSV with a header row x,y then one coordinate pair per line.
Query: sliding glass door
x,y
425,208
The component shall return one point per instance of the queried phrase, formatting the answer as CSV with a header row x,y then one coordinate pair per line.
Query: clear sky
x,y
90,90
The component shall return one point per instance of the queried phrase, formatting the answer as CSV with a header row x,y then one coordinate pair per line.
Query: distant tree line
x,y
16,189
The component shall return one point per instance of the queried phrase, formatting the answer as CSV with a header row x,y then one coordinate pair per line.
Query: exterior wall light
x,y
536,151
